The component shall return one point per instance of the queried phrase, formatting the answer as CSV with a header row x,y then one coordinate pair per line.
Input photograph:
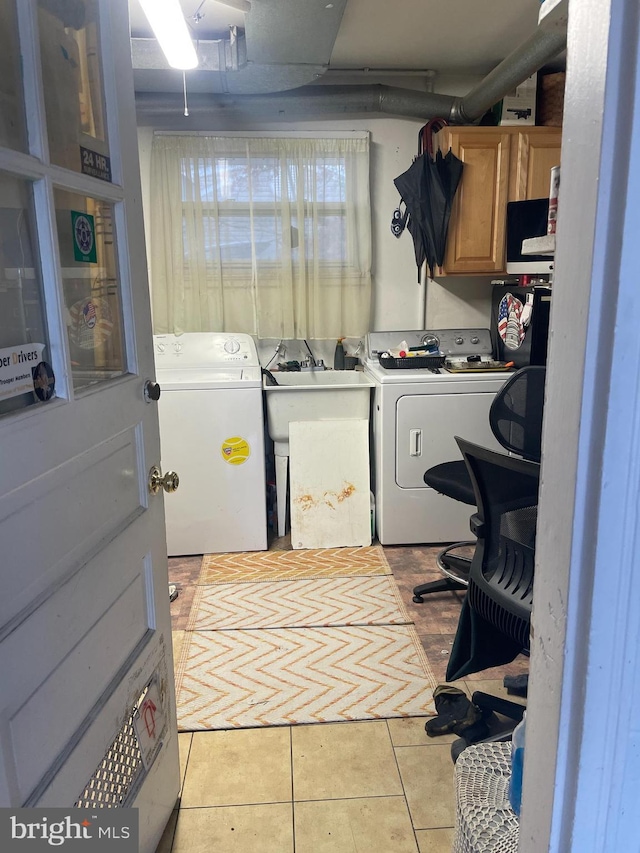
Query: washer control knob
x,y
430,341
177,347
231,346
475,340
459,340
160,347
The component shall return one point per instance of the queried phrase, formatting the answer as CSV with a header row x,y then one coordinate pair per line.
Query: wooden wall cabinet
x,y
501,164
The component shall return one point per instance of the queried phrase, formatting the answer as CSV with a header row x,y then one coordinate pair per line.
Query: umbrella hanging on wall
x,y
427,189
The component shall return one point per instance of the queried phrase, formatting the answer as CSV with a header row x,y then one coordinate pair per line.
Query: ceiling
x,y
448,36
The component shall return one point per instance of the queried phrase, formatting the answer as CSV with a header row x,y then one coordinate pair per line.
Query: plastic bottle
x,y
338,359
517,764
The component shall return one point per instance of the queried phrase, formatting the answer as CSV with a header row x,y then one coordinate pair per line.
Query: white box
x,y
519,106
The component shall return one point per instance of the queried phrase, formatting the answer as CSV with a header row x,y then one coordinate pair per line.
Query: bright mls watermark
x,y
69,830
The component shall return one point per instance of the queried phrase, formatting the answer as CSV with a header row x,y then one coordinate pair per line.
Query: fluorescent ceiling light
x,y
170,28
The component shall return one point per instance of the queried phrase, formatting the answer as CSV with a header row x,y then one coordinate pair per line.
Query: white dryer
x,y
417,412
212,434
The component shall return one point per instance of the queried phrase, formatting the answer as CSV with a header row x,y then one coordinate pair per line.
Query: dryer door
x,y
426,426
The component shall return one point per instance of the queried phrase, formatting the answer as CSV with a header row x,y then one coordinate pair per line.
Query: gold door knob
x,y
169,482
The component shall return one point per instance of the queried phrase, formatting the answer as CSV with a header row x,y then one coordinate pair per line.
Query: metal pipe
x,y
514,69
413,103
311,101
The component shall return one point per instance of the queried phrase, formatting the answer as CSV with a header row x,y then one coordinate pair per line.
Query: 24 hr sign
x,y
94,164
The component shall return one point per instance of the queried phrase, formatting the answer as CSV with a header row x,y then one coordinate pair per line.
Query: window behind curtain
x,y
269,236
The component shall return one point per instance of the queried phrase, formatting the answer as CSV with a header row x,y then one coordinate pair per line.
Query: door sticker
x,y
150,724
235,450
94,164
511,321
17,370
91,322
44,382
84,237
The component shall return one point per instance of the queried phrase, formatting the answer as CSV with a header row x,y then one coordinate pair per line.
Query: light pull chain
x,y
184,89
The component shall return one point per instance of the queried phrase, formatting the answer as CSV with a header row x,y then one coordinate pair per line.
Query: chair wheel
x,y
418,599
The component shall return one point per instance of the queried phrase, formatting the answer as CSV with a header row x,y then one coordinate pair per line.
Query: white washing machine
x,y
212,434
416,415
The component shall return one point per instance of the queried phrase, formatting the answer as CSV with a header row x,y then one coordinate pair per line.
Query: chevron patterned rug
x,y
283,565
320,602
327,646
286,676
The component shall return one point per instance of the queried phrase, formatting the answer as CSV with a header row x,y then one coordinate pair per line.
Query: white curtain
x,y
270,236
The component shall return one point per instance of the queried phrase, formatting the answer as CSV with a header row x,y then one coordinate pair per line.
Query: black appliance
x,y
533,349
526,219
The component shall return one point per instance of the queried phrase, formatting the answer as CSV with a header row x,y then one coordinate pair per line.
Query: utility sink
x,y
313,396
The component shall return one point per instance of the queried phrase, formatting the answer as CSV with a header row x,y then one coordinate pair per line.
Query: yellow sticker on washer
x,y
235,450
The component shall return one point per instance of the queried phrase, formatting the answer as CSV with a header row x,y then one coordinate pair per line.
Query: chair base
x,y
455,568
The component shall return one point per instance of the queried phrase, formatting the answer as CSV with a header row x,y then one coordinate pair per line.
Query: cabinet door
x,y
475,242
537,152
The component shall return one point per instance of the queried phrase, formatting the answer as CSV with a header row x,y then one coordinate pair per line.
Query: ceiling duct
x,y
279,49
322,101
223,69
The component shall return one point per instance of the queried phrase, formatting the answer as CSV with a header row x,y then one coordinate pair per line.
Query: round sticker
x,y
83,233
91,322
44,382
235,450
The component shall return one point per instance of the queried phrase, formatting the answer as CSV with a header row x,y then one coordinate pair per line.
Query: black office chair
x,y
495,617
515,418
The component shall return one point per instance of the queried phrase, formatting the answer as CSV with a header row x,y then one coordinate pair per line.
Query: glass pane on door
x,y
12,122
91,284
23,336
73,86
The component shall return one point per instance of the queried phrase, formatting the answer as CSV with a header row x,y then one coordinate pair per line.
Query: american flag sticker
x,y
89,314
510,321
503,315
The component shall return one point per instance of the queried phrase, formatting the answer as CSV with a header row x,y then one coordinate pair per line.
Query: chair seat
x,y
451,479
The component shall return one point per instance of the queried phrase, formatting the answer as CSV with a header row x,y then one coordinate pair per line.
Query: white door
x,y
85,635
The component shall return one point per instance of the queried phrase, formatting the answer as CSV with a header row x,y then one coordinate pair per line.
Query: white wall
x,y
397,296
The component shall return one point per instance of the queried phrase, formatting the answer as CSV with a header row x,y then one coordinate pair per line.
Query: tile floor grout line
x,y
237,805
362,797
404,791
293,802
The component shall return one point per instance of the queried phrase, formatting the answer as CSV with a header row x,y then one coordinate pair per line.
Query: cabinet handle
x,y
415,442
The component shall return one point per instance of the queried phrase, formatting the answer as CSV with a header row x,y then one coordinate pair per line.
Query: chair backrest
x,y
515,415
501,575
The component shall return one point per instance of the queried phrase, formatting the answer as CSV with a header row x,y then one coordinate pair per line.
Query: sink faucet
x,y
311,364
311,359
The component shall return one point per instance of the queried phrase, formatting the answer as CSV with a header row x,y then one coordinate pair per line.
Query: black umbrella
x,y
427,189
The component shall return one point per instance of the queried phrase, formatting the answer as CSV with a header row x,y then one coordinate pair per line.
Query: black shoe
x,y
454,710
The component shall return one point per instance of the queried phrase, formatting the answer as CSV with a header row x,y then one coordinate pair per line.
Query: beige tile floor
x,y
363,787
366,787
